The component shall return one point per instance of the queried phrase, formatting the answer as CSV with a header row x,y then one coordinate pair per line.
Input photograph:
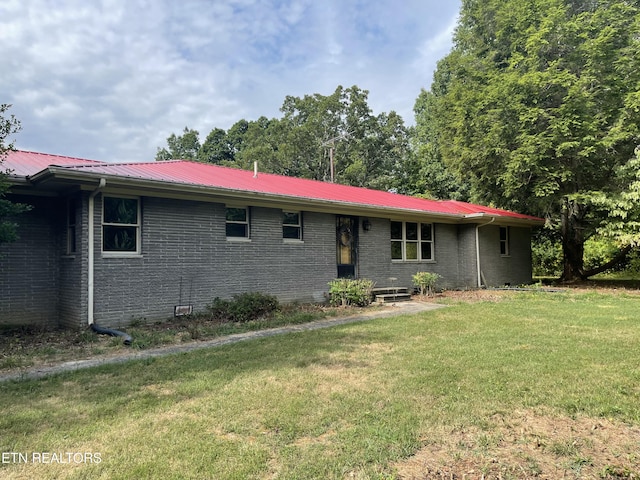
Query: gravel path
x,y
400,308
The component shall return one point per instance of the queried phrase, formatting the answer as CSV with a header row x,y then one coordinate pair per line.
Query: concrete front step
x,y
385,290
393,297
391,294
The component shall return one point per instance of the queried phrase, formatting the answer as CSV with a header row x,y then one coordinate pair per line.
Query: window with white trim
x,y
411,241
237,222
504,241
120,224
292,225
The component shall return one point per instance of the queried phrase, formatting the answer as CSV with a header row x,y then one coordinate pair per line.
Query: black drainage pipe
x,y
126,338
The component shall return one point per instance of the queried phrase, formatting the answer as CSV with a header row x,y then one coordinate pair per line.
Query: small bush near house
x,y
346,291
546,256
243,307
425,281
219,309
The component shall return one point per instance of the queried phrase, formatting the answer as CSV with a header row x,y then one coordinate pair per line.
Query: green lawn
x,y
346,402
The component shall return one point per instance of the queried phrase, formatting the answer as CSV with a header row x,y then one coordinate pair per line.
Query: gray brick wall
x,y
513,269
444,263
186,259
29,268
374,251
455,258
72,285
452,261
467,261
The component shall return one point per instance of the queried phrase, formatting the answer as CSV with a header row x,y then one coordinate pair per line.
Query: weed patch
x,y
529,444
24,347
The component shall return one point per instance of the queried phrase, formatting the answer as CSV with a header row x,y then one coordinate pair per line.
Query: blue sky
x,y
112,79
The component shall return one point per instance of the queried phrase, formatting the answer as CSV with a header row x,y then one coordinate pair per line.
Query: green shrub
x,y
425,281
633,264
219,309
347,291
243,307
547,256
600,250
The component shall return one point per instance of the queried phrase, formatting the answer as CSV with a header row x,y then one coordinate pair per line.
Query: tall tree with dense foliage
x,y
318,131
183,147
538,106
425,172
623,206
314,132
9,125
221,147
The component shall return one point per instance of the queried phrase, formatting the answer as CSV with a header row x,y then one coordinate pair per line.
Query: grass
x,y
347,402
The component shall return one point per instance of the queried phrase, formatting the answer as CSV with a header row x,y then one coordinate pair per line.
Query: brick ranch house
x,y
115,242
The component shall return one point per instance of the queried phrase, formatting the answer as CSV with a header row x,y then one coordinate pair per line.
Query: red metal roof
x,y
225,178
23,163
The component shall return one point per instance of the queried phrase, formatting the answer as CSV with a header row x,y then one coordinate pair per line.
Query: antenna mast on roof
x,y
331,143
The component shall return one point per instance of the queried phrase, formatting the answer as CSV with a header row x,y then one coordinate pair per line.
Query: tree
x,y
425,172
366,150
215,149
317,130
262,141
622,208
181,147
8,209
538,104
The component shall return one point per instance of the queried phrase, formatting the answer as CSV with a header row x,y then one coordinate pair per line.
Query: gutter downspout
x,y
90,288
91,236
478,249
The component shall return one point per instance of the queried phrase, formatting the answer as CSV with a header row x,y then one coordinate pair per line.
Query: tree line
x,y
330,138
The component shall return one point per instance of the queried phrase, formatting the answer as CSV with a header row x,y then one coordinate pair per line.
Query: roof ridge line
x,y
33,152
120,164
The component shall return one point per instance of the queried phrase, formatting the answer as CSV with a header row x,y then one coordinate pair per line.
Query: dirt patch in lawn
x,y
620,287
472,296
529,445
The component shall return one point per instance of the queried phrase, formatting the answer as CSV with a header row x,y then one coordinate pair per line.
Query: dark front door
x,y
347,246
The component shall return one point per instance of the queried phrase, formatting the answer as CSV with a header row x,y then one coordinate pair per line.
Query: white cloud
x,y
112,79
435,48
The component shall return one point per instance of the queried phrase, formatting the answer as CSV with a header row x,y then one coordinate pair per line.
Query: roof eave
x,y
266,199
17,179
503,220
189,191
